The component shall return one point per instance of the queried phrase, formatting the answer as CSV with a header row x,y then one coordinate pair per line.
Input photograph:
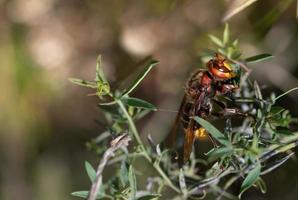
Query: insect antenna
x,y
166,110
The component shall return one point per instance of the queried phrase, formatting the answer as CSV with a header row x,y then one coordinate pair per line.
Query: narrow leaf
x,y
257,90
285,132
235,43
100,77
140,77
259,58
275,110
216,134
90,171
236,7
84,83
220,152
139,103
123,173
132,182
216,40
226,34
82,194
250,179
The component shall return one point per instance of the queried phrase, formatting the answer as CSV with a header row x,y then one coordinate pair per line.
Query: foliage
x,y
261,143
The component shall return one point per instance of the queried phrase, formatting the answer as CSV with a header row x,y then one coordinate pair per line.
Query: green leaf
x,y
216,40
123,175
220,152
100,77
139,103
285,132
82,194
250,179
140,77
260,183
275,110
132,182
149,197
226,34
103,87
90,171
83,83
216,134
235,43
258,91
259,58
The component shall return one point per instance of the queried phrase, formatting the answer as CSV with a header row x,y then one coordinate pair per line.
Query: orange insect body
x,y
203,86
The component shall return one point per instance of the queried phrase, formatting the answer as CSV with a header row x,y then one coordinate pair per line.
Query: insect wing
x,y
172,136
188,140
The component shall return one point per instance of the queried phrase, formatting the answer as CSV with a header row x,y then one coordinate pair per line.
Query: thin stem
x,y
133,129
166,178
145,152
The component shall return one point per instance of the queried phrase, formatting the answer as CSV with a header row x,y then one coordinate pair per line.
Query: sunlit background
x,y
45,121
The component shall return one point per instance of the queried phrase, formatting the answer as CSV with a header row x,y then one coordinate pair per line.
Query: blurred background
x,y
45,121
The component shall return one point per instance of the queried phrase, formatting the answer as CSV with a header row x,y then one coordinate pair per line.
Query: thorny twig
x,y
119,142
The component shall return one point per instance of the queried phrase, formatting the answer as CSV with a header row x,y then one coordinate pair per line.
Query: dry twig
x,y
119,142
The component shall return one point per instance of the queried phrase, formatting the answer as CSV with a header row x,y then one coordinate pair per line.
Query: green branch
x,y
145,152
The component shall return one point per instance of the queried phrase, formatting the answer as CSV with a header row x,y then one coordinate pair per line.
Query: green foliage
x,y
224,46
90,171
261,143
132,182
258,58
83,83
148,67
216,134
84,195
137,103
250,179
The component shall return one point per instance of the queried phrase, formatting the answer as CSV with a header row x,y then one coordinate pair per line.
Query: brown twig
x,y
119,142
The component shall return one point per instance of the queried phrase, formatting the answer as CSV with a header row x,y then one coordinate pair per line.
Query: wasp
x,y
201,91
